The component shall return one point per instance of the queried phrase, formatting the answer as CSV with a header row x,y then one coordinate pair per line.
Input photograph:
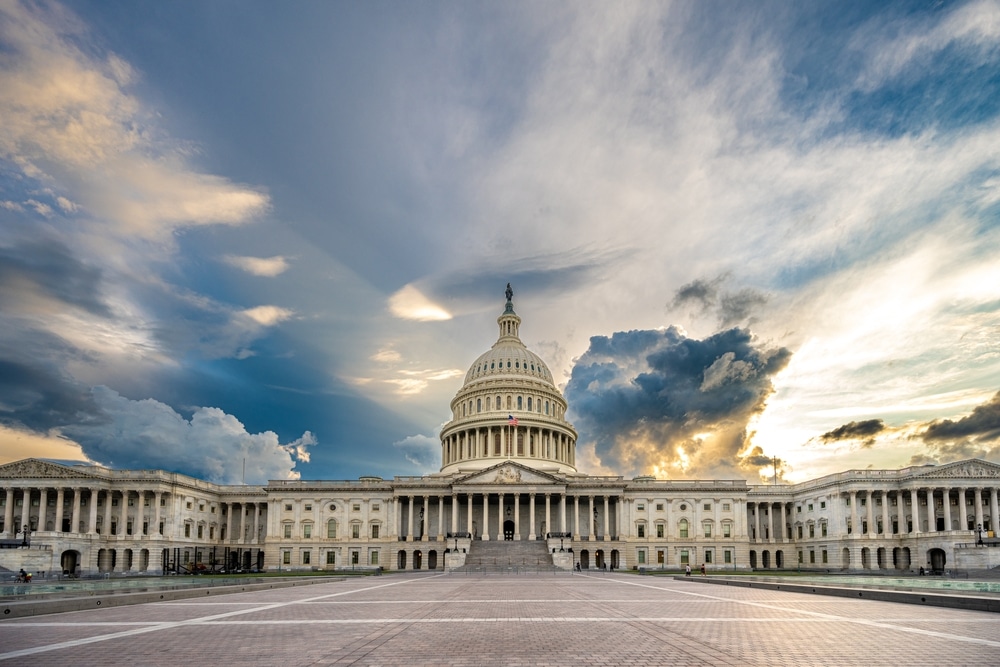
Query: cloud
x,y
408,303
422,451
44,276
856,430
983,425
268,315
731,308
70,122
660,402
268,267
211,444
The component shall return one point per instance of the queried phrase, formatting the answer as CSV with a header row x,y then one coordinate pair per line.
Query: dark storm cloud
x,y
537,275
731,308
982,424
47,269
643,396
37,395
862,430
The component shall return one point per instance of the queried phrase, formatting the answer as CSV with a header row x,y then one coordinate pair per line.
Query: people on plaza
x,y
687,570
22,576
703,569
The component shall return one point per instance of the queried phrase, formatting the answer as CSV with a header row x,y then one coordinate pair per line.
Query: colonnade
x,y
522,441
508,515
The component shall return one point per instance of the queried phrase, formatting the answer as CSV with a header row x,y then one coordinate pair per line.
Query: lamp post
x,y
979,534
27,537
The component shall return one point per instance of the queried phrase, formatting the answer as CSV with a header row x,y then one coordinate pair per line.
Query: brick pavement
x,y
545,619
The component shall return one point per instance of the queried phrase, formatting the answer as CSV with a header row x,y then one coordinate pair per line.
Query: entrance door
x,y
508,530
937,559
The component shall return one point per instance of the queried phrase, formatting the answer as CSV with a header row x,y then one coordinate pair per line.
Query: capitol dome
x,y
508,409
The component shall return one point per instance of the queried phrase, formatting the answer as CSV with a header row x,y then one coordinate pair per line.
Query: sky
x,y
247,240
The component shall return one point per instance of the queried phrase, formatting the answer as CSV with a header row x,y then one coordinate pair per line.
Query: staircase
x,y
504,556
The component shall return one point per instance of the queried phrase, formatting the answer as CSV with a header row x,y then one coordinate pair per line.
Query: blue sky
x,y
280,233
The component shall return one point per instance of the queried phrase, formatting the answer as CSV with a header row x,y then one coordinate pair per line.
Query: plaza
x,y
534,619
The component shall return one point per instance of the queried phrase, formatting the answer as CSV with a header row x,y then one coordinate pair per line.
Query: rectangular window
x,y
287,531
800,557
812,556
684,529
727,530
708,529
201,507
187,530
641,528
812,530
659,507
163,502
810,507
660,558
355,558
823,554
201,532
286,557
375,531
641,556
659,530
376,507
211,532
708,556
331,558
307,531
725,507
131,501
798,509
306,555
356,507
373,558
727,556
799,531
114,503
685,559
822,505
640,506
288,507
864,501
308,507
356,531
707,506
822,529
331,529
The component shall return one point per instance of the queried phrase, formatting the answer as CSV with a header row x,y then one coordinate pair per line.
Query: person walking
x,y
703,570
687,570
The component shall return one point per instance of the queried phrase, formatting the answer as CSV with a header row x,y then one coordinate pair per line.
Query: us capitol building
x,y
508,494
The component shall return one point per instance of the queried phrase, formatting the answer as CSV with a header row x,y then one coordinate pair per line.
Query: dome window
x,y
508,363
532,367
479,405
492,364
517,365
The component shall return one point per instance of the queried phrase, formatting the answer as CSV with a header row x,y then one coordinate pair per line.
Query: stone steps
x,y
531,554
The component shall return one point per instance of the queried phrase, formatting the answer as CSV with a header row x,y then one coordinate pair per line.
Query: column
x,y
409,522
531,517
517,516
43,507
92,520
486,516
468,518
397,517
454,513
548,513
60,499
915,510
74,516
256,523
8,512
994,519
440,534
500,515
886,525
979,506
963,510
782,518
756,522
562,511
123,515
25,508
946,501
576,517
155,529
870,514
607,532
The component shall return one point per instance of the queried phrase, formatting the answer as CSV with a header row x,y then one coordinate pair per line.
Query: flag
x,y
512,420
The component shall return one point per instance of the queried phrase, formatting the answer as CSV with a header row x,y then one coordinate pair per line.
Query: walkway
x,y
543,619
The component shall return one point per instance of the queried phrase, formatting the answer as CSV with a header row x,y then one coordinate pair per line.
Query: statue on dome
x,y
509,292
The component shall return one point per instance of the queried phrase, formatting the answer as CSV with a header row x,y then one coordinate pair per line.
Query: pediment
x,y
39,469
509,472
971,468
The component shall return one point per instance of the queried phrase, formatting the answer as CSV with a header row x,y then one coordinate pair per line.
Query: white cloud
x,y
422,451
259,266
212,444
11,205
410,304
268,315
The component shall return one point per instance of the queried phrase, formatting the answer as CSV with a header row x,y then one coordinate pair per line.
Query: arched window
x,y
519,399
487,402
479,405
331,529
509,401
546,407
529,404
499,404
683,526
